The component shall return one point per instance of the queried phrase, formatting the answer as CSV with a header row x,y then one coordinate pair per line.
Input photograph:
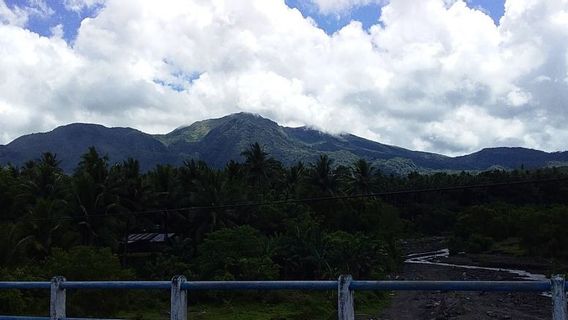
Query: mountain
x,y
71,141
219,140
216,141
511,158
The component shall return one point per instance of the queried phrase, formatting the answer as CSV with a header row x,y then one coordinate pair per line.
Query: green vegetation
x,y
218,141
192,133
52,223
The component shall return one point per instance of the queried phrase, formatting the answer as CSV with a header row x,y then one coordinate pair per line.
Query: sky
x,y
445,76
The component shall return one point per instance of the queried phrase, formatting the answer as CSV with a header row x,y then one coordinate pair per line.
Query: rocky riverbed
x,y
466,305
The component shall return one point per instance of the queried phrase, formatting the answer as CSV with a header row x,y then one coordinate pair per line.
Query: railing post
x,y
345,309
178,310
57,299
558,298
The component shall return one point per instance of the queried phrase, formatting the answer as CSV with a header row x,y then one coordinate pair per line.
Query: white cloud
x,y
19,15
57,31
15,16
341,6
80,5
434,75
39,8
518,97
472,127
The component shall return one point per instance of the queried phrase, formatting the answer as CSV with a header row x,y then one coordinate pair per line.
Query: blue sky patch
x,y
174,86
368,15
43,23
495,8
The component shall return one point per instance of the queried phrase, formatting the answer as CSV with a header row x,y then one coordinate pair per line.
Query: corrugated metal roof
x,y
161,237
151,237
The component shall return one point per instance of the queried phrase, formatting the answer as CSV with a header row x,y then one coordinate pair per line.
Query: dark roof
x,y
150,237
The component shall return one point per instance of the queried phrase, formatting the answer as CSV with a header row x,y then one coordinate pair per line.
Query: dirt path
x,y
462,305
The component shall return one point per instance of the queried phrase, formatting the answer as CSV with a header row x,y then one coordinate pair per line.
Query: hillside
x,y
216,141
511,158
71,141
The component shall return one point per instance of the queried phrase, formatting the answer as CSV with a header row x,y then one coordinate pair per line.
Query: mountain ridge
x,y
216,141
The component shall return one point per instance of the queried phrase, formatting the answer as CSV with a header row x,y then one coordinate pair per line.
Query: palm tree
x,y
363,178
211,190
233,170
321,175
126,182
43,183
44,225
13,243
257,164
94,165
91,194
189,176
163,186
50,160
294,177
8,178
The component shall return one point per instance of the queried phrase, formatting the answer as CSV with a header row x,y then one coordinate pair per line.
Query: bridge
x,y
345,286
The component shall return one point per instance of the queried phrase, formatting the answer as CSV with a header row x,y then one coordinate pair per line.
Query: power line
x,y
314,199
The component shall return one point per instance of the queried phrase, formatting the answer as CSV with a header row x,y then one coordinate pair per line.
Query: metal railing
x,y
345,287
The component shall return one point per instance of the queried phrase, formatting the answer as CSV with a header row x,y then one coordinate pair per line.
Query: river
x,y
432,258
426,262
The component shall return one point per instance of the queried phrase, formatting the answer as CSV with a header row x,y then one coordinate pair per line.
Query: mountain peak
x,y
199,129
216,141
245,115
70,141
80,125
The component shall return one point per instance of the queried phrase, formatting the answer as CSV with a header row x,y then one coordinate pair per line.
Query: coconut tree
x,y
92,199
93,164
13,243
210,193
294,177
257,164
363,178
322,176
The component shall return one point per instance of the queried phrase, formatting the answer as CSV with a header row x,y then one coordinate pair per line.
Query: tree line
x,y
77,224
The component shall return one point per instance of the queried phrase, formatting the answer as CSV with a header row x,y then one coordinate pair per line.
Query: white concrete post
x,y
345,309
558,298
57,299
178,309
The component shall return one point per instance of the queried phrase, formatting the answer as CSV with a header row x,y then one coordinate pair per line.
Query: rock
x,y
432,304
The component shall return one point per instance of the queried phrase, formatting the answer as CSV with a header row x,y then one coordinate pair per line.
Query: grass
x,y
285,305
510,246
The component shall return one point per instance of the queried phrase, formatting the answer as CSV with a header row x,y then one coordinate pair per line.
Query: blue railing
x,y
179,287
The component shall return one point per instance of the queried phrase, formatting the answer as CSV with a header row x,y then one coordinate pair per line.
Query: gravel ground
x,y
464,305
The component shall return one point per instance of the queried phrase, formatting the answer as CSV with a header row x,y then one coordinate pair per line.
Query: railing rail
x,y
345,286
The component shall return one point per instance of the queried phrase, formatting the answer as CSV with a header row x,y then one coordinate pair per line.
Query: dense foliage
x,y
238,222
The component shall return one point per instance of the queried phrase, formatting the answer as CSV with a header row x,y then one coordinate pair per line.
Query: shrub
x,y
89,263
235,254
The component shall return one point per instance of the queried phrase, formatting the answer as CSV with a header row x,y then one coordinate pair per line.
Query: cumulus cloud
x,y
80,5
341,6
16,16
19,15
39,8
57,31
433,75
